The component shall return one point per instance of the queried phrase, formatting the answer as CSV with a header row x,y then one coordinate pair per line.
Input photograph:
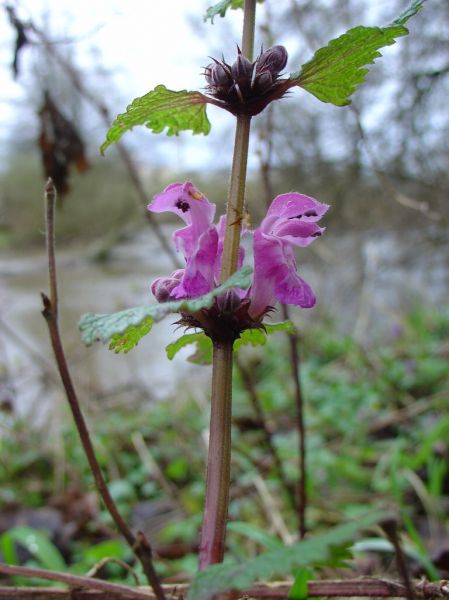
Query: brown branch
x,y
385,181
104,113
76,581
293,341
391,530
109,559
250,386
265,159
355,587
139,544
102,590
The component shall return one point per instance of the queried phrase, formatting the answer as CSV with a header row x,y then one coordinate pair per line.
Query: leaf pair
x,y
332,75
203,344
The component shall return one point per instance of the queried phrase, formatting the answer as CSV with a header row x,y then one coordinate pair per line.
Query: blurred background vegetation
x,y
374,353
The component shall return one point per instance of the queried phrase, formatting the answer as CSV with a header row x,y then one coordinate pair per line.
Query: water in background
x,y
364,281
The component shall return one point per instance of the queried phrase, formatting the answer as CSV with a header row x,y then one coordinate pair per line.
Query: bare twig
x,y
293,341
77,581
110,559
265,158
273,514
152,467
84,588
265,153
391,531
104,112
349,588
50,312
385,181
248,382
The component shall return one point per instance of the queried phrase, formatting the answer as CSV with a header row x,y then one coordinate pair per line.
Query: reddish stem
x,y
213,532
138,543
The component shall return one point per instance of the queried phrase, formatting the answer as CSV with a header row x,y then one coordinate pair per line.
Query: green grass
x,y
377,432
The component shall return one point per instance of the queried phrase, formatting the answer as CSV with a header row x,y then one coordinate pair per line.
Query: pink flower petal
x,y
286,206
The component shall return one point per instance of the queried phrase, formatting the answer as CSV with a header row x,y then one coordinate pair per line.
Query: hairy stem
x,y
213,531
236,198
293,342
236,193
139,544
249,383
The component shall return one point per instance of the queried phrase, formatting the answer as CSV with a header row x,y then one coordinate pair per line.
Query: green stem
x,y
213,532
236,198
249,25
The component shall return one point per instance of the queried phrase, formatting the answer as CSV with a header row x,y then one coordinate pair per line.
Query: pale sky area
x,y
141,43
138,44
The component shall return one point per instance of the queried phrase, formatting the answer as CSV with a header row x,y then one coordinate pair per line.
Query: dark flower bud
x,y
272,60
263,82
217,75
162,287
246,87
242,69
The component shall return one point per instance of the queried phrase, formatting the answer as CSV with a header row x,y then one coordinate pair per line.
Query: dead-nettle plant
x,y
221,293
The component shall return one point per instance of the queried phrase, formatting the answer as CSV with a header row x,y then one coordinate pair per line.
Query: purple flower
x,y
198,241
186,201
290,221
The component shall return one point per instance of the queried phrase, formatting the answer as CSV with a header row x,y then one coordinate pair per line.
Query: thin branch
x,y
110,559
77,581
265,161
391,530
139,544
293,341
385,181
248,382
104,113
91,589
272,511
349,588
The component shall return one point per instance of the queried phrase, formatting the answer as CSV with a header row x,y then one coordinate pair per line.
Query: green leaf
x,y
103,326
203,352
221,7
131,336
300,587
286,326
270,541
7,549
253,337
159,109
219,578
38,544
336,70
258,336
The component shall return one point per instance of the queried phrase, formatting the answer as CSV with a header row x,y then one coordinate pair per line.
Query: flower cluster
x,y
290,221
246,87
